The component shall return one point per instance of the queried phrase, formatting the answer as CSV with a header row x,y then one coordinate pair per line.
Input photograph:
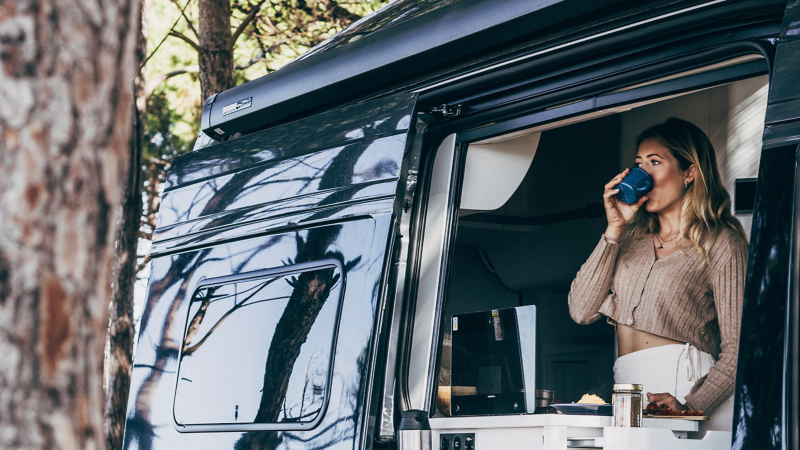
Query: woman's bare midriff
x,y
631,340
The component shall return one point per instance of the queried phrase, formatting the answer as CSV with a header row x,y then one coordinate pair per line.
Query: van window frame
x,y
282,271
602,99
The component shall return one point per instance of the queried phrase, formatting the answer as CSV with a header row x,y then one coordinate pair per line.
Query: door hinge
x,y
445,110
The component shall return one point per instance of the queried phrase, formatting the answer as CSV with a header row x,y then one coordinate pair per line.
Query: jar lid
x,y
627,387
544,394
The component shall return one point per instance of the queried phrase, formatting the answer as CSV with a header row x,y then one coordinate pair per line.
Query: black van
x,y
446,156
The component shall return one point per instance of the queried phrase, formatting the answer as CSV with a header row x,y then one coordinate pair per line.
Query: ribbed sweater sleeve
x,y
728,289
591,286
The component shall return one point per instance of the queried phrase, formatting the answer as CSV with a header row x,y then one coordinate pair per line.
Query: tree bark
x,y
215,56
65,122
121,330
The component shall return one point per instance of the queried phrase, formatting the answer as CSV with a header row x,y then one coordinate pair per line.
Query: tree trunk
x,y
215,56
121,331
65,121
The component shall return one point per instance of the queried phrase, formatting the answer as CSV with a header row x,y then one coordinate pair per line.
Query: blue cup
x,y
636,184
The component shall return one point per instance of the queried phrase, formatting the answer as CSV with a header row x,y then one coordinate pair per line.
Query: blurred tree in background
x,y
66,120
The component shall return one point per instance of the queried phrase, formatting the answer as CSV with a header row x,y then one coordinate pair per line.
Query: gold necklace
x,y
664,241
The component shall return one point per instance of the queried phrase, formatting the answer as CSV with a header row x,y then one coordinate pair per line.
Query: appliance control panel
x,y
457,441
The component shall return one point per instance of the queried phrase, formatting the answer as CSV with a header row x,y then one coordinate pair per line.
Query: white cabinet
x,y
560,432
660,439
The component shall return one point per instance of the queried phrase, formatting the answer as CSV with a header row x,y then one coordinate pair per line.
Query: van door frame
x,y
600,101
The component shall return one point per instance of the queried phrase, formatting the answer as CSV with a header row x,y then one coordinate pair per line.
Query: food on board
x,y
592,399
653,409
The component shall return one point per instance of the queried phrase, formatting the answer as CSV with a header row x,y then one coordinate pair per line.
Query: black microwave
x,y
493,365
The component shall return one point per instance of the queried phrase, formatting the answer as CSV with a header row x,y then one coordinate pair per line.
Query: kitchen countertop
x,y
544,420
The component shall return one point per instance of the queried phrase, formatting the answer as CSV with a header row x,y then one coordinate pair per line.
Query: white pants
x,y
672,368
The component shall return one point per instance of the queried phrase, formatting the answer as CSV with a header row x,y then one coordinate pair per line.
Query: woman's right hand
x,y
618,213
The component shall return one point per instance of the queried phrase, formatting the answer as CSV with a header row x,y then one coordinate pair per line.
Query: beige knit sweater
x,y
676,296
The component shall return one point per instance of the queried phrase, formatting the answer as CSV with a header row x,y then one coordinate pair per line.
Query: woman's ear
x,y
690,172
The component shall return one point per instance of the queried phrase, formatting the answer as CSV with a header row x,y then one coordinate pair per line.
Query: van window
x,y
238,365
526,247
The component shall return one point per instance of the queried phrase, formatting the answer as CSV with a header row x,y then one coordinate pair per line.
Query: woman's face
x,y
668,178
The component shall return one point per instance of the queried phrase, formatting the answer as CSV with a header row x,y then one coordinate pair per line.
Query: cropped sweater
x,y
678,297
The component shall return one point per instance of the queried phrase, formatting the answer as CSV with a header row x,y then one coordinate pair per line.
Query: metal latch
x,y
446,110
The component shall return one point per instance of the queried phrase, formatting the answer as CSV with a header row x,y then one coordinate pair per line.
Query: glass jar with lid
x,y
544,398
627,400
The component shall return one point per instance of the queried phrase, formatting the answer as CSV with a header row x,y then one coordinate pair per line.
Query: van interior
x,y
531,214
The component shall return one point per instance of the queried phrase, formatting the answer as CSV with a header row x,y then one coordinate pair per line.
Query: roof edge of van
x,y
392,54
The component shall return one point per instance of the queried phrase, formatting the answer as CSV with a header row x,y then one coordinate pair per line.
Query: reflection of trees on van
x,y
332,431
139,427
313,386
337,172
206,297
356,391
311,290
303,304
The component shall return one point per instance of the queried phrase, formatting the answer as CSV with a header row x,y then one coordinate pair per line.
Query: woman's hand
x,y
618,213
665,398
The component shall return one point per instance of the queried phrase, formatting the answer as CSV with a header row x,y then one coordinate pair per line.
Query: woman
x,y
669,274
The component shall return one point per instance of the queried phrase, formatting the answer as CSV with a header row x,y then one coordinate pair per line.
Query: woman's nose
x,y
648,171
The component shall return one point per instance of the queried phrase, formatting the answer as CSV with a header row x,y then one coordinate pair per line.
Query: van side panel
x,y
311,187
766,396
357,244
322,188
759,407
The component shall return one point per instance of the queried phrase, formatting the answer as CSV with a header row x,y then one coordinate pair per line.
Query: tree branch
x,y
261,56
183,37
188,69
153,84
188,22
141,66
155,161
250,63
245,22
145,261
271,25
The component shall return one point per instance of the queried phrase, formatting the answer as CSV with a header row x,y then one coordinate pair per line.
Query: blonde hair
x,y
706,209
